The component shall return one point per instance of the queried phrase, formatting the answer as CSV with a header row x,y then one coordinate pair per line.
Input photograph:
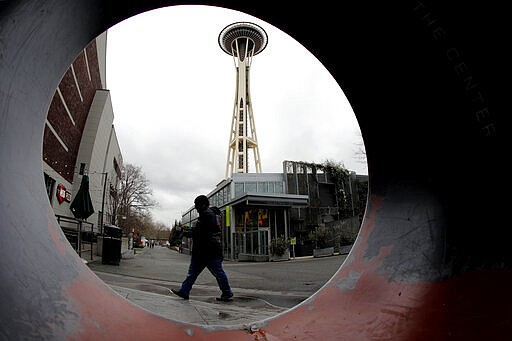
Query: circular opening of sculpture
x,y
193,100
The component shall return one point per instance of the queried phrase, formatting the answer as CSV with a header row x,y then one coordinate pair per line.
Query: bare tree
x,y
134,197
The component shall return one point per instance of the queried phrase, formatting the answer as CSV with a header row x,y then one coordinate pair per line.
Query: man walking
x,y
206,250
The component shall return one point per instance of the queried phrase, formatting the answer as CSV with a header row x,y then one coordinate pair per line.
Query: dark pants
x,y
197,265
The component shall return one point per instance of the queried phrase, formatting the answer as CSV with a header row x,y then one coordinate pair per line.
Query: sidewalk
x,y
201,309
241,311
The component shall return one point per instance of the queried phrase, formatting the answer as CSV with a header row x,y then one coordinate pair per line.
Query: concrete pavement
x,y
145,280
243,310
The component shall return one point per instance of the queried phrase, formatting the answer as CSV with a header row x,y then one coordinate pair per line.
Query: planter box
x,y
325,252
303,250
284,257
245,257
345,249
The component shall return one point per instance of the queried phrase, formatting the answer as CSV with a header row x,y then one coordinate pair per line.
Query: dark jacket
x,y
206,235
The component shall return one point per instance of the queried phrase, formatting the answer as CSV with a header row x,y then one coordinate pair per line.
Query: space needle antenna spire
x,y
242,40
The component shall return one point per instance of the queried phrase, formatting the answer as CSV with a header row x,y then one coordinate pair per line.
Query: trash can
x,y
111,248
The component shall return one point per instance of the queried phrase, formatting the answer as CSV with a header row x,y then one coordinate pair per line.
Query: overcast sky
x,y
173,89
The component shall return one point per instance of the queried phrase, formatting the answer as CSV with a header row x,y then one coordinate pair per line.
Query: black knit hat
x,y
202,200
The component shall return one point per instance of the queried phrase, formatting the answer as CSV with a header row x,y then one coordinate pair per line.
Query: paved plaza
x,y
262,290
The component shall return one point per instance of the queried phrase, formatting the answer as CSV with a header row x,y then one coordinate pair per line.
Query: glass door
x,y
263,238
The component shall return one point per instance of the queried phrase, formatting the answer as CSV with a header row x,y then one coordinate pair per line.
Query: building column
x,y
285,225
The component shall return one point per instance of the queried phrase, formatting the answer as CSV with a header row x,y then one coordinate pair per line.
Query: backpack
x,y
218,215
216,237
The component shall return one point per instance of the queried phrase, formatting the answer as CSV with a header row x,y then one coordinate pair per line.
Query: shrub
x,y
346,237
278,246
322,237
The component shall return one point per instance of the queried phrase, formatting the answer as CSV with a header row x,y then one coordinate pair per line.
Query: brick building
x,y
79,137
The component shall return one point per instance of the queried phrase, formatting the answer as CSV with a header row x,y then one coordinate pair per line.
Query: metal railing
x,y
77,232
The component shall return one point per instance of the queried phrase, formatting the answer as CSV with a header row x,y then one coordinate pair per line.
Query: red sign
x,y
61,193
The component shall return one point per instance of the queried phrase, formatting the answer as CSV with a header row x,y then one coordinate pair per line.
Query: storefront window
x,y
271,187
239,188
219,197
50,184
239,220
251,187
278,187
263,220
252,244
263,187
251,231
263,242
239,244
251,219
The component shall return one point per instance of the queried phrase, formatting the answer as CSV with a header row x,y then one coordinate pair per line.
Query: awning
x,y
271,199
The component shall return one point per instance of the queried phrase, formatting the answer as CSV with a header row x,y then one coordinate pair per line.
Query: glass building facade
x,y
255,209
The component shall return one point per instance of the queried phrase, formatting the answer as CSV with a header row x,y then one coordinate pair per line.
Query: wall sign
x,y
63,194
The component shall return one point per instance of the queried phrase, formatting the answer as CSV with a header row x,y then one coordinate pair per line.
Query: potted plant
x,y
279,249
323,242
346,239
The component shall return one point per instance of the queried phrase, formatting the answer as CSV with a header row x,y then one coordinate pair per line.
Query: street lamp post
x,y
103,200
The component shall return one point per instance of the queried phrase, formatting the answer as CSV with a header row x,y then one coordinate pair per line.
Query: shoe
x,y
180,294
225,298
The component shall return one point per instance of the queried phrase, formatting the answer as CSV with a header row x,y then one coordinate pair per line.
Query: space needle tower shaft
x,y
243,41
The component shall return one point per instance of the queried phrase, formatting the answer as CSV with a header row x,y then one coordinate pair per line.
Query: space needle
x,y
242,40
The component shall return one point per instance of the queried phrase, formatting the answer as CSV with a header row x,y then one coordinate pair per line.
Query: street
x,y
266,287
